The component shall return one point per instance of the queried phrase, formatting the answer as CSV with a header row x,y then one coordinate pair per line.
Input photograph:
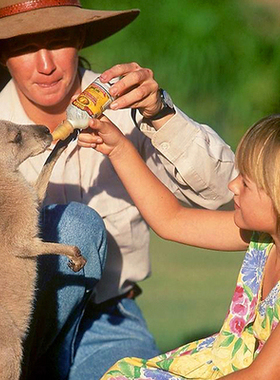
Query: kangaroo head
x,y
19,142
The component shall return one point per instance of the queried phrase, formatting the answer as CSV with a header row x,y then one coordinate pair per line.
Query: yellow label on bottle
x,y
94,100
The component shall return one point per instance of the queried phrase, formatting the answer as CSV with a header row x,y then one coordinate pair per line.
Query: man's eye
x,y
58,44
24,49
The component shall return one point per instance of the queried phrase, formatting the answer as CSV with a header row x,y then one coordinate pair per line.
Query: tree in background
x,y
219,59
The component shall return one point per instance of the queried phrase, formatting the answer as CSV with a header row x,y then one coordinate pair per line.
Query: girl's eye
x,y
244,183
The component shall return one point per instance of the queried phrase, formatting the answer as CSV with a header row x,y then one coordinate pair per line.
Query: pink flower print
x,y
240,302
237,325
274,324
240,309
253,309
259,348
186,352
238,294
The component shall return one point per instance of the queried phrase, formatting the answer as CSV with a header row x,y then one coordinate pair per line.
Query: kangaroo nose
x,y
47,131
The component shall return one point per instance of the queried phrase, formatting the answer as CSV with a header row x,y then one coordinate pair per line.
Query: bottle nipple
x,y
63,130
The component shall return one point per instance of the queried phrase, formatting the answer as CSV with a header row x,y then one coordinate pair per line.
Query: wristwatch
x,y
167,106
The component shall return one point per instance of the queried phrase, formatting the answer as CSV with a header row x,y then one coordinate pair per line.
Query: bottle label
x,y
94,100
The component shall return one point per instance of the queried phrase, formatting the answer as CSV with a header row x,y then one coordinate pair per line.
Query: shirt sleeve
x,y
199,163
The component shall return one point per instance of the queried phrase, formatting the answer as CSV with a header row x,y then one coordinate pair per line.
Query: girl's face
x,y
44,67
254,210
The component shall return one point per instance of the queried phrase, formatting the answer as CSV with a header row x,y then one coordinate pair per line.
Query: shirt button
x,y
165,145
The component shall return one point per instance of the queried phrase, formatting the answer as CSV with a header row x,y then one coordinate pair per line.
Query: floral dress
x,y
248,324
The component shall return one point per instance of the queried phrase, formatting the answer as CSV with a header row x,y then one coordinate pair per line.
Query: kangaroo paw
x,y
77,262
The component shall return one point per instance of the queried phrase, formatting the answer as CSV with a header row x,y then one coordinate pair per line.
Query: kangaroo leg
x,y
10,347
76,260
38,247
44,176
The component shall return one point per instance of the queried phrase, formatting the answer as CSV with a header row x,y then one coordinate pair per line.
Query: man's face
x,y
44,66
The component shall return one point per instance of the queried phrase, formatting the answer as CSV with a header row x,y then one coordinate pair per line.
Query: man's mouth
x,y
48,84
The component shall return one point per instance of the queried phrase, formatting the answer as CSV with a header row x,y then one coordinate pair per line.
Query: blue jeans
x,y
67,333
109,335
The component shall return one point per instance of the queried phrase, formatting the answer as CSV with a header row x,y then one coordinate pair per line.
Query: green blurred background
x,y
220,61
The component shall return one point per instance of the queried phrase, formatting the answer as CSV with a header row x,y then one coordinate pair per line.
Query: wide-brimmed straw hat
x,y
19,18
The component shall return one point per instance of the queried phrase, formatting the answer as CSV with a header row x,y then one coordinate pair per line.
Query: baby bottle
x,y
91,103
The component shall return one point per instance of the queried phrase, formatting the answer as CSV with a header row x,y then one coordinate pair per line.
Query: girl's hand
x,y
102,135
136,88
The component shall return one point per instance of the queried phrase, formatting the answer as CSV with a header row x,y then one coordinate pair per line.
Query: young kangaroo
x,y
20,244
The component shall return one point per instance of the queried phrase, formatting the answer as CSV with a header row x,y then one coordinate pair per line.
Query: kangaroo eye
x,y
18,138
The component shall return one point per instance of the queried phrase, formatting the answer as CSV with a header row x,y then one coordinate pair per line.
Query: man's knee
x,y
76,224
87,225
77,215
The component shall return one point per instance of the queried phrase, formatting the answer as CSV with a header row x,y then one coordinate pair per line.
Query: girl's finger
x,y
86,144
89,138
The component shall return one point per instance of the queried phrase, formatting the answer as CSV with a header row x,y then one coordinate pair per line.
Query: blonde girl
x,y
248,344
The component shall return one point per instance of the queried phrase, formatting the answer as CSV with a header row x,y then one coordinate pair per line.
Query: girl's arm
x,y
267,364
158,206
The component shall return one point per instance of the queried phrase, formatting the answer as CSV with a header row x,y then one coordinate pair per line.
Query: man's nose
x,y
45,61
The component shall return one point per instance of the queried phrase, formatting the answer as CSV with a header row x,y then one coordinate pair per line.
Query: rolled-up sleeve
x,y
198,160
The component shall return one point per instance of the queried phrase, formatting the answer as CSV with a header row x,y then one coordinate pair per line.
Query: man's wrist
x,y
167,107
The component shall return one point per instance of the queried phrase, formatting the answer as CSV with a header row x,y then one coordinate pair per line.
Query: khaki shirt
x,y
189,158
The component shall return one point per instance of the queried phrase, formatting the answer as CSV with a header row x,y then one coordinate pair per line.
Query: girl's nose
x,y
45,61
234,185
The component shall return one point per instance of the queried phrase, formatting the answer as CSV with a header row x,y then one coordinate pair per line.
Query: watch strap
x,y
167,109
163,112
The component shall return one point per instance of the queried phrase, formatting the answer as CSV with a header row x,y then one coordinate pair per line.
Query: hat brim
x,y
100,24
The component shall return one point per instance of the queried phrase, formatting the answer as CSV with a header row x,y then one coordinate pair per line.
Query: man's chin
x,y
49,102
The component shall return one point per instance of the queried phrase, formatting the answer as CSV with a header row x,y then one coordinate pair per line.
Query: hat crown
x,y
21,18
31,5
7,3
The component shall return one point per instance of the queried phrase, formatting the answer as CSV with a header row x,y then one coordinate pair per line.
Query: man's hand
x,y
136,88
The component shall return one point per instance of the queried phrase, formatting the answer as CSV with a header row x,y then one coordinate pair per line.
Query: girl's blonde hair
x,y
258,157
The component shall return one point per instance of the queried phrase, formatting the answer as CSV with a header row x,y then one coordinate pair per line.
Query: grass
x,y
189,291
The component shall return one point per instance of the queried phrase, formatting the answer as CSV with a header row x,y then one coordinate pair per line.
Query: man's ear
x,y
4,76
4,52
2,61
82,37
3,58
